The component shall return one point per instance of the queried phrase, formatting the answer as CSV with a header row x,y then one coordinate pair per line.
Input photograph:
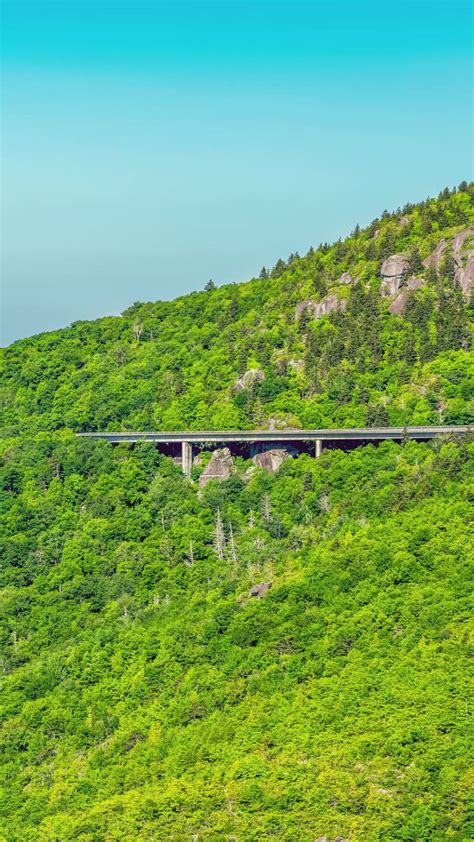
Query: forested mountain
x,y
145,693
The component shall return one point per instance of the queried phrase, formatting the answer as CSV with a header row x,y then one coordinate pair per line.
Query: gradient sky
x,y
150,146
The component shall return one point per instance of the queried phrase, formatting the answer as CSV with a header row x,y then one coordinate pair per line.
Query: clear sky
x,y
148,146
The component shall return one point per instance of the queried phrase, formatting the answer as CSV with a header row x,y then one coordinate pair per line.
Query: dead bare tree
x,y
266,507
137,331
219,536
232,546
190,556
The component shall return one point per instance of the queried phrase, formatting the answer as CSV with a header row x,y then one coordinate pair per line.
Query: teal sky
x,y
150,146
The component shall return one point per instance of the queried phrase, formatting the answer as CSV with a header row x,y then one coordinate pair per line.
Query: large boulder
x,y
260,590
392,272
252,376
220,467
318,309
272,458
394,266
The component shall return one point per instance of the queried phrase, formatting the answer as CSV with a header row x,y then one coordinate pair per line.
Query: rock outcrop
x,y
464,259
434,258
392,272
296,365
465,277
390,287
346,278
397,306
318,309
220,467
458,242
272,458
394,266
252,376
260,590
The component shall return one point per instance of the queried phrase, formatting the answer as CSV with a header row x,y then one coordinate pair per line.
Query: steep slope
x,y
175,365
145,693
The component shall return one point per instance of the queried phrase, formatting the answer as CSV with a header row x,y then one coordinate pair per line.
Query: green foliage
x,y
175,364
145,694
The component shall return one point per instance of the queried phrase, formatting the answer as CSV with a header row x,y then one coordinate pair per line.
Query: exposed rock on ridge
x,y
220,467
252,376
318,309
272,458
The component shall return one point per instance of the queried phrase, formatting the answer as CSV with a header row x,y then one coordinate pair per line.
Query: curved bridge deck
x,y
335,437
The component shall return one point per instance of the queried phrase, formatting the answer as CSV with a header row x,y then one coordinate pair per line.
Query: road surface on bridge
x,y
365,434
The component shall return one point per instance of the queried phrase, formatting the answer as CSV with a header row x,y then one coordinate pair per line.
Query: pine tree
x,y
387,242
448,265
278,268
415,263
432,275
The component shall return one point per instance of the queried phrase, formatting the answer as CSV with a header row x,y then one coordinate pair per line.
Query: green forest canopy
x,y
145,694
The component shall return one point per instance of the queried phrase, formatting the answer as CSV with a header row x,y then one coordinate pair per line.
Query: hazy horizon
x,y
150,146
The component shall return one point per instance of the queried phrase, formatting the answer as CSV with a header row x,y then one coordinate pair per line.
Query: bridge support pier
x,y
318,447
186,458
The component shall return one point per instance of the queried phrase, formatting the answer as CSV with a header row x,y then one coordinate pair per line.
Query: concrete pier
x,y
309,441
186,458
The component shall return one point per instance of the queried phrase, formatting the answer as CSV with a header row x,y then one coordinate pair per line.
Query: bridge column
x,y
186,458
318,447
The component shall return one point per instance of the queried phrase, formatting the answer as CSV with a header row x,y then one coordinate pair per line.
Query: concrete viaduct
x,y
337,437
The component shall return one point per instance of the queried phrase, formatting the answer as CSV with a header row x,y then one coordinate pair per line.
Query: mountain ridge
x,y
277,654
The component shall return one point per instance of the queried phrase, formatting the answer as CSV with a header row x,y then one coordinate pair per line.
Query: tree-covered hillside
x,y
174,365
145,694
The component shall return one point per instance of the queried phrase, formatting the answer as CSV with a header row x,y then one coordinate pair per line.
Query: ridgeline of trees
x,y
145,694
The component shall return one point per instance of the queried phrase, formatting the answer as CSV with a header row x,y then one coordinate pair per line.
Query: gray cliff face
x,y
395,283
394,266
463,254
390,287
465,277
220,467
397,307
434,258
393,270
318,309
464,259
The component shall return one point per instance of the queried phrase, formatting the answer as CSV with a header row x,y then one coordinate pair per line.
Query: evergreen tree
x,y
448,265
278,268
415,263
